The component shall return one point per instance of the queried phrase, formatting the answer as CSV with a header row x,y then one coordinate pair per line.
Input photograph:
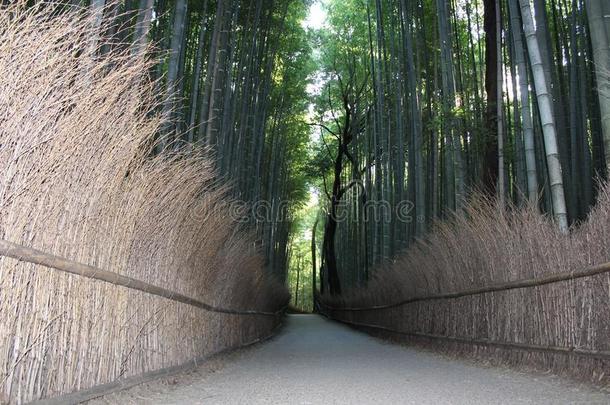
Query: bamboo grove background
x,y
447,99
230,78
235,84
135,134
451,104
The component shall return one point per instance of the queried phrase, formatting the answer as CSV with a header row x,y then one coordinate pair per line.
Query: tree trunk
x,y
97,12
546,118
500,106
448,99
416,123
219,76
177,42
296,290
140,35
197,73
598,12
554,82
330,229
492,71
313,262
210,71
527,124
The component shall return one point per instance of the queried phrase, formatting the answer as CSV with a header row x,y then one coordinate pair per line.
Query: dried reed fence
x,y
77,180
507,288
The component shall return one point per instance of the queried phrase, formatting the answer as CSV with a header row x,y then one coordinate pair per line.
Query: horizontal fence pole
x,y
26,254
88,394
598,354
510,285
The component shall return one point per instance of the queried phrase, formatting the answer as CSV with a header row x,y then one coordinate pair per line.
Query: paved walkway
x,y
315,361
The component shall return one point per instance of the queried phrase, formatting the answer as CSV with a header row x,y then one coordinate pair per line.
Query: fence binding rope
x,y
510,285
597,354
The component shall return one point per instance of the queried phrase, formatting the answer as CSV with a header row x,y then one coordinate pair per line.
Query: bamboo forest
x,y
182,179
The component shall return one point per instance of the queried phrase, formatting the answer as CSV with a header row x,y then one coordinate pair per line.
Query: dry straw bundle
x,y
482,247
77,180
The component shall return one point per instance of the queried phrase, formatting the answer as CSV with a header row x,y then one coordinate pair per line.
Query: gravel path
x,y
315,361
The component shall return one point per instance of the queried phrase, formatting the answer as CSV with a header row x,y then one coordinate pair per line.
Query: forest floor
x,y
316,361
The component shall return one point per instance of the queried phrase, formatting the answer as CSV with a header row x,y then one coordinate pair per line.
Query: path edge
x,y
122,384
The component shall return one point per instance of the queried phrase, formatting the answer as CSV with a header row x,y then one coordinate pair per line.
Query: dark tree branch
x,y
326,187
327,129
349,186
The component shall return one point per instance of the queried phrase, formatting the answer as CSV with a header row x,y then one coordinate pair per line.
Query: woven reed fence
x,y
508,289
78,182
33,256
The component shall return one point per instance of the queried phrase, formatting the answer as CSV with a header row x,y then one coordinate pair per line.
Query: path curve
x,y
316,361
